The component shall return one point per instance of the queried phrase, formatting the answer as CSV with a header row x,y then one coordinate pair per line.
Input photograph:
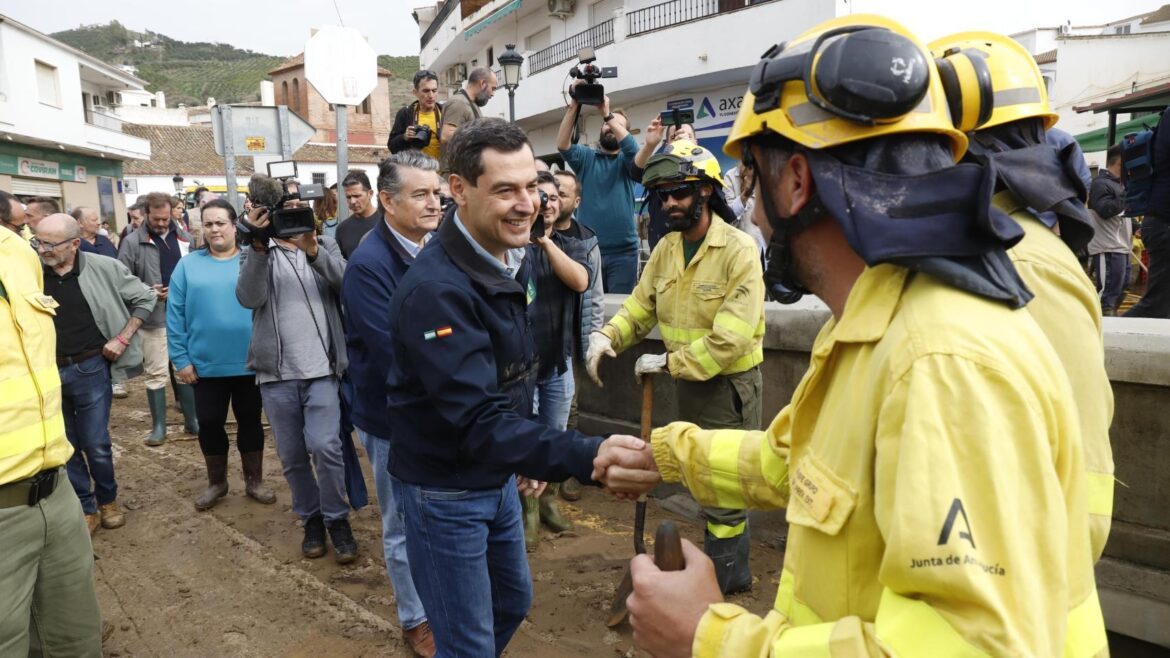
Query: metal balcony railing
x,y
95,117
444,11
597,36
676,12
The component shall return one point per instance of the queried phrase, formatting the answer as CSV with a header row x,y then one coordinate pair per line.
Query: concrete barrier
x,y
1134,576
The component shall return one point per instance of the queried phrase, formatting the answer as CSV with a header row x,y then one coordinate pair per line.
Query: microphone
x,y
265,191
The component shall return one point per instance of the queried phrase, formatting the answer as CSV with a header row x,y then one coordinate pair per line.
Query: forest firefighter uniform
x,y
704,289
931,458
996,74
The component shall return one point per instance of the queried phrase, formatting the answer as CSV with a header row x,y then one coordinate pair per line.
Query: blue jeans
x,y
410,608
85,403
619,270
305,419
1109,272
466,550
554,395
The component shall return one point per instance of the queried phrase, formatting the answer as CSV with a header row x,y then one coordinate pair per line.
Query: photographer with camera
x,y
416,126
290,277
464,105
607,191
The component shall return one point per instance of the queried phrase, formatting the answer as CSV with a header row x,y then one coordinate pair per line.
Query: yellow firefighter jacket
x,y
710,313
932,469
32,429
1068,311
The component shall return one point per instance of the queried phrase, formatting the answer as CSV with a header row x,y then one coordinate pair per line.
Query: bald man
x,y
99,307
90,223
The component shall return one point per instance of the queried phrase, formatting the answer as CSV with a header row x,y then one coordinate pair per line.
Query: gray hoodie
x,y
255,290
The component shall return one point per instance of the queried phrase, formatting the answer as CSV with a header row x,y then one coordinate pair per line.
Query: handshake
x,y
625,466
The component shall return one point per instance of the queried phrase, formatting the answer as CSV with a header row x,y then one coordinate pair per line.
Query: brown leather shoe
x,y
420,640
112,516
93,521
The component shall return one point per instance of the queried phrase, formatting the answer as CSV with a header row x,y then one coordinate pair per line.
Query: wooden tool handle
x,y
647,405
668,553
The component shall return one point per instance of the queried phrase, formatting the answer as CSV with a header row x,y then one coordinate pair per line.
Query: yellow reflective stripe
x,y
624,328
735,325
805,641
637,311
703,356
1086,629
723,464
720,531
912,628
797,613
34,436
680,335
25,387
746,362
1100,494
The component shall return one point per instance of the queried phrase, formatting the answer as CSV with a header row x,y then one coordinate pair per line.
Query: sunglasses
x,y
424,75
677,193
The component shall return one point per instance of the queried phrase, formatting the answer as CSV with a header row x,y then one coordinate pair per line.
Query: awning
x,y
1097,140
492,18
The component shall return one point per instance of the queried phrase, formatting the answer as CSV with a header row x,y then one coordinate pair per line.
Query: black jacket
x,y
1106,195
407,117
463,375
1160,185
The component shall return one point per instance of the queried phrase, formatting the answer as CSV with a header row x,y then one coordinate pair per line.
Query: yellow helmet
x,y
848,79
682,161
990,79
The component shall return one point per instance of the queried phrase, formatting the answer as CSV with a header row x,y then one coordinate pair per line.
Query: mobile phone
x,y
538,226
677,117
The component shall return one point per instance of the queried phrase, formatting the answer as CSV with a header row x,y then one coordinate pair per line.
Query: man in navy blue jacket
x,y
1156,230
460,391
408,194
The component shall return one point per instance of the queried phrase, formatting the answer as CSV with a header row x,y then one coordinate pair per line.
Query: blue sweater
x,y
607,193
206,326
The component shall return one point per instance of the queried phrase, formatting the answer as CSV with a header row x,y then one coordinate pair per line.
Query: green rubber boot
x,y
186,395
157,399
531,521
550,511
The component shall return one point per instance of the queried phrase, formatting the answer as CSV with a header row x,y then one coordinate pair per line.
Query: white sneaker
x,y
119,391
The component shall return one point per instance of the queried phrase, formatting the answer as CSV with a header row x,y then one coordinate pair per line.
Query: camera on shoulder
x,y
589,92
282,197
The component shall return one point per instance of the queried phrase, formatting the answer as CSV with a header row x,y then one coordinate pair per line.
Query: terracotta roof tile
x,y
328,153
1046,57
1159,15
188,150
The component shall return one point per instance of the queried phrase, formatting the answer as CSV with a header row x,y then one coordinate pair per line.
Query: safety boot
x,y
571,490
112,515
254,478
345,547
217,484
157,400
731,560
531,521
550,511
186,395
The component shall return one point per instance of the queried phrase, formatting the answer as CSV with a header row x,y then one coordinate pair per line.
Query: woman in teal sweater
x,y
207,337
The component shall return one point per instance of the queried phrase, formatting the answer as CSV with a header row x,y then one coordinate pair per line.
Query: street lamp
x,y
178,181
511,60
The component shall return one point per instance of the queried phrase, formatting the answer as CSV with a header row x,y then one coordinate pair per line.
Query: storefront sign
x,y
38,168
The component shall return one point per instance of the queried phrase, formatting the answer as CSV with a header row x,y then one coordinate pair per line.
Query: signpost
x,y
343,68
252,130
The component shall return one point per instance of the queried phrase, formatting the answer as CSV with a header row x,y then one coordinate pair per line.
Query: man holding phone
x,y
675,125
151,252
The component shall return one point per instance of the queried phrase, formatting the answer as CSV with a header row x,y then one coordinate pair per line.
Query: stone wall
x,y
1134,575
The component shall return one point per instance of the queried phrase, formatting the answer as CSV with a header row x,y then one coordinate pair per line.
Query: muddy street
x,y
232,581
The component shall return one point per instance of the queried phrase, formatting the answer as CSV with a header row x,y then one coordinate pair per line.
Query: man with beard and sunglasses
x,y
704,289
464,104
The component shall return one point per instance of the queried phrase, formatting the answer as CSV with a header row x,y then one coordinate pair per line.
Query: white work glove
x,y
599,345
649,364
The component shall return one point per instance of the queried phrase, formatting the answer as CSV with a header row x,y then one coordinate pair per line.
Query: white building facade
x,y
57,137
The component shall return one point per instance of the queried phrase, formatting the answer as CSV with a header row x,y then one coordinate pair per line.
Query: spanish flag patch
x,y
441,332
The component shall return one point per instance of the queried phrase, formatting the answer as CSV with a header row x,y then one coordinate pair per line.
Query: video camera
x,y
272,193
589,92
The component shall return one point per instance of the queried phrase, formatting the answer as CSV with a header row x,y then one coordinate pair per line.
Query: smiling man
x,y
461,386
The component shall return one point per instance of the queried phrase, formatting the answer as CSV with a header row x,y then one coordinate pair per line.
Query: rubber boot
x,y
217,484
571,490
254,478
531,521
186,395
731,560
157,399
550,512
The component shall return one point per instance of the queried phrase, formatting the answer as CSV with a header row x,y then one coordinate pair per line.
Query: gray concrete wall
x,y
1134,575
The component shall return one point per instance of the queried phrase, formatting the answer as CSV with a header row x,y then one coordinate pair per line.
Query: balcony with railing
x,y
102,119
677,12
597,36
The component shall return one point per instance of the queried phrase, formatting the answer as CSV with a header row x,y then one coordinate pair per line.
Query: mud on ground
x,y
232,582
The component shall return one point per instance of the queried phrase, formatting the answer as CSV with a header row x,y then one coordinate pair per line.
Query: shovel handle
x,y
668,553
647,405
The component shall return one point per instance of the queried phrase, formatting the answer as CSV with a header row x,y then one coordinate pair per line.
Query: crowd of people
x,y
947,449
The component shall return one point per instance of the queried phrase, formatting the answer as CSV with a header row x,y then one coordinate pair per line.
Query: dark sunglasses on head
x,y
424,75
677,193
